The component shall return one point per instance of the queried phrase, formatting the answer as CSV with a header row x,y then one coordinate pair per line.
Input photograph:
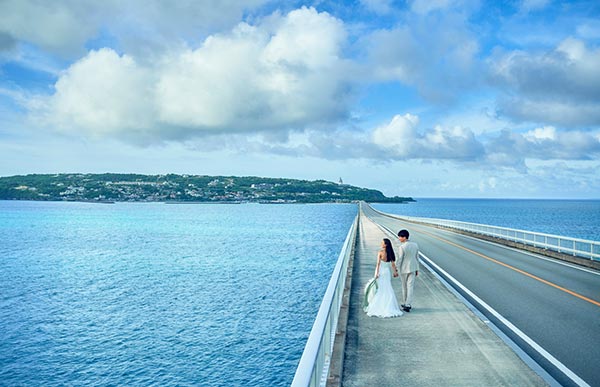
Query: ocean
x,y
571,218
190,294
153,294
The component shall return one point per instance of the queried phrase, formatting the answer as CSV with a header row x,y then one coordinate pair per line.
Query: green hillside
x,y
111,187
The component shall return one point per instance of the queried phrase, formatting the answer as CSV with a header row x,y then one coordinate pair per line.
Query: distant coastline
x,y
176,189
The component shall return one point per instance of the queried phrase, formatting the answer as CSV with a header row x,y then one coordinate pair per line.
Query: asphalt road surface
x,y
556,304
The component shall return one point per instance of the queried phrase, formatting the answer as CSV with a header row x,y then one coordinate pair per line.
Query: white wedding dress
x,y
384,303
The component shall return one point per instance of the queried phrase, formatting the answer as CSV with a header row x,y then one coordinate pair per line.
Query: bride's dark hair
x,y
389,251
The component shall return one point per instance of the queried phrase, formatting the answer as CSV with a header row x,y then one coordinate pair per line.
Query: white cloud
x,y
64,26
426,6
378,6
545,143
589,29
565,180
102,93
479,116
571,70
256,78
561,87
398,134
7,42
437,55
541,134
488,184
213,86
402,139
286,72
533,5
57,26
564,113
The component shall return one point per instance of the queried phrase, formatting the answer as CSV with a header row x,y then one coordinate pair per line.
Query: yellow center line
x,y
516,269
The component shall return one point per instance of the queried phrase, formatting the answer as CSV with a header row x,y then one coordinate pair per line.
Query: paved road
x,y
557,305
442,343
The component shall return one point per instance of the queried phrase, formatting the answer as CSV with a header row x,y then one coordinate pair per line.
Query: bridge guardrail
x,y
577,247
314,364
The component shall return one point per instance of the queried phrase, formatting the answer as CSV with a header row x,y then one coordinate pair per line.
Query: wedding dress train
x,y
384,303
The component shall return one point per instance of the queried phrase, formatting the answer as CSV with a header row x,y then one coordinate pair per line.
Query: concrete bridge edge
x,y
336,366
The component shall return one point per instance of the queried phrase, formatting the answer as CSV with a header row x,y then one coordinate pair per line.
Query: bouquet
x,y
370,290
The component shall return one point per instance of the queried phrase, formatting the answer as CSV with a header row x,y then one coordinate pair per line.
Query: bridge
x,y
484,314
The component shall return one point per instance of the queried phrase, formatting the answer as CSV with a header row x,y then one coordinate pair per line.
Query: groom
x,y
408,262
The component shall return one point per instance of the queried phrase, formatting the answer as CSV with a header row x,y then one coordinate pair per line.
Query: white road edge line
x,y
507,340
560,366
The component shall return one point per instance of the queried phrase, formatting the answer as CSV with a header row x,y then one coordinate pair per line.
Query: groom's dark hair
x,y
403,233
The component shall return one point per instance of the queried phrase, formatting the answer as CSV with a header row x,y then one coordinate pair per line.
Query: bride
x,y
384,303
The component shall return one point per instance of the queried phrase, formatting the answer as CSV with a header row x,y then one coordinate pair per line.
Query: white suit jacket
x,y
408,257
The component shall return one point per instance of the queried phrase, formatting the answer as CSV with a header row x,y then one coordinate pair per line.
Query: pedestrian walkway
x,y
439,343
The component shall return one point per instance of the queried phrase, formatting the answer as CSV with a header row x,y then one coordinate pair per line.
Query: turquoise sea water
x,y
190,294
155,294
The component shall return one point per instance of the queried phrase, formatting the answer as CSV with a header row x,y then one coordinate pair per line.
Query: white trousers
x,y
408,284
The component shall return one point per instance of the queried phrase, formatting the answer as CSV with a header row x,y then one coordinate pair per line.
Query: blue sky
x,y
438,98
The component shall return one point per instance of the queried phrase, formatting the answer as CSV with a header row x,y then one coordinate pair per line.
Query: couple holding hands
x,y
383,303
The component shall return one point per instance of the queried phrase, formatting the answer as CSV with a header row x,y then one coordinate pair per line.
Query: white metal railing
x,y
314,364
577,247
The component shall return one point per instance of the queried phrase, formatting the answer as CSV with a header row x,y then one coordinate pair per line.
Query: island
x,y
174,188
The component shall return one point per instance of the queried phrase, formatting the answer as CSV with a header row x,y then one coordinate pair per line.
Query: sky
x,y
421,98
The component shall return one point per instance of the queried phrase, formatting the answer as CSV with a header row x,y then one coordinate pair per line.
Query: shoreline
x,y
198,202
